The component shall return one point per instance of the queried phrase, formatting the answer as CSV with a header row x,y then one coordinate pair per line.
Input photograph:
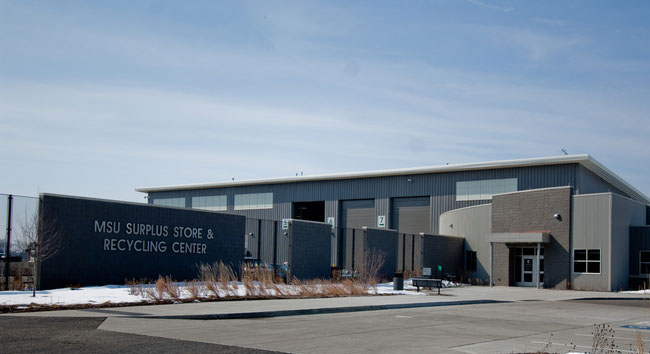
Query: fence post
x,y
275,245
259,241
353,250
8,240
413,252
403,252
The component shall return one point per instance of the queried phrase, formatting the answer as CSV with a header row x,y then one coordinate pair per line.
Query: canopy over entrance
x,y
520,237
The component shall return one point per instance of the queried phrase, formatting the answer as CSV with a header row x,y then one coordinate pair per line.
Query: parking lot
x,y
485,328
522,320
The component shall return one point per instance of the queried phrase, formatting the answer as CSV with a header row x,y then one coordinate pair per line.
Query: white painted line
x,y
403,316
580,346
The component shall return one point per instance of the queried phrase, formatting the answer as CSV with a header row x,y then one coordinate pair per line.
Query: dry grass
x,y
279,290
638,339
334,289
249,287
306,288
219,281
370,266
194,289
172,289
604,340
136,287
209,277
157,292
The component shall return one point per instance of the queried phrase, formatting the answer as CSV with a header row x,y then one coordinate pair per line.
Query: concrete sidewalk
x,y
467,295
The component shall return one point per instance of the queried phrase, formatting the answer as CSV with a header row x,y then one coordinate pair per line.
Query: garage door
x,y
356,214
410,215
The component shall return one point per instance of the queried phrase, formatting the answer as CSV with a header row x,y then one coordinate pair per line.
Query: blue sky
x,y
98,98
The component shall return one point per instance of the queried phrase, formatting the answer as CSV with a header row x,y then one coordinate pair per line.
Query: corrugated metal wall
x,y
440,186
259,236
588,182
639,241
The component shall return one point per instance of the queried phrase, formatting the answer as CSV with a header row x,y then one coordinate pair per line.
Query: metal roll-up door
x,y
356,214
411,215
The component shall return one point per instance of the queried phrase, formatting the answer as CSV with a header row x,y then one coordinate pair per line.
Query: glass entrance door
x,y
528,270
526,264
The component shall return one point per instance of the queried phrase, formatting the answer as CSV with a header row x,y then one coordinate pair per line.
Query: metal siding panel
x,y
588,182
283,245
383,207
251,236
591,229
639,241
331,210
440,186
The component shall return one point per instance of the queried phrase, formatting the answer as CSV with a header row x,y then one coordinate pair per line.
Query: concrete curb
x,y
315,311
609,298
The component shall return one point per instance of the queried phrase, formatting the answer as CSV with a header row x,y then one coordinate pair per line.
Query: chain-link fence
x,y
19,225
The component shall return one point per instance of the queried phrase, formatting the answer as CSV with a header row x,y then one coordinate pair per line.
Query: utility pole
x,y
10,203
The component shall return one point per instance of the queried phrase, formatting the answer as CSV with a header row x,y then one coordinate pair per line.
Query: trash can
x,y
398,281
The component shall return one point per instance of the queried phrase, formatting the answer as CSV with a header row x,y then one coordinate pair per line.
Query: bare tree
x,y
41,239
370,266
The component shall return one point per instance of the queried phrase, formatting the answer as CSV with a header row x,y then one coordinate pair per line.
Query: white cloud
x,y
209,111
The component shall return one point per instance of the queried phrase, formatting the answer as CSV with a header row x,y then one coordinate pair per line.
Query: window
x,y
174,202
644,262
586,261
485,189
215,202
470,261
253,201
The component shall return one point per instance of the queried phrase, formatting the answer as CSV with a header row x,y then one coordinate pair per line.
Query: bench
x,y
427,283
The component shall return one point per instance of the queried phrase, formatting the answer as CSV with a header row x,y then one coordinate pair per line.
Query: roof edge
x,y
584,159
554,160
612,178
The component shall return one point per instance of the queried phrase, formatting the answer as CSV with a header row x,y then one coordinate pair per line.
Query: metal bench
x,y
427,283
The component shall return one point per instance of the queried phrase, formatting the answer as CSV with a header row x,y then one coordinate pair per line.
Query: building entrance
x,y
526,266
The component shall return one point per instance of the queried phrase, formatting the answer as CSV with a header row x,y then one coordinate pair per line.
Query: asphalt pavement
x,y
80,335
461,320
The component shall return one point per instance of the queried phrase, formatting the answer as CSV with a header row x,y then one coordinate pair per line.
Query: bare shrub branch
x,y
370,266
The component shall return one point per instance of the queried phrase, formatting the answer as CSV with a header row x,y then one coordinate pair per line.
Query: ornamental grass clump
x,y
157,292
171,288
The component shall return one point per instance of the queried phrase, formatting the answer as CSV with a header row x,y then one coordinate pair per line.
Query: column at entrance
x,y
537,269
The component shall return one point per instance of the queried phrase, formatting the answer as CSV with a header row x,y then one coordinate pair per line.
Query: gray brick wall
x,y
534,211
310,249
384,241
446,251
409,252
501,265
